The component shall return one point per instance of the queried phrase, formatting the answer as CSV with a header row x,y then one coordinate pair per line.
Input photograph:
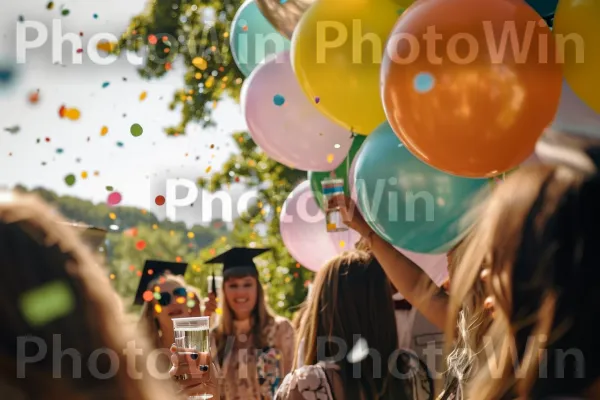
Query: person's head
x,y
55,297
244,298
175,299
351,300
536,244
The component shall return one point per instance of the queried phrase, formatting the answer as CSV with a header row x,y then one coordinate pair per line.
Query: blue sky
x,y
137,170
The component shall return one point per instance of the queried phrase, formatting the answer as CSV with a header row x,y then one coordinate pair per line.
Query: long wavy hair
x,y
352,298
261,319
538,238
53,287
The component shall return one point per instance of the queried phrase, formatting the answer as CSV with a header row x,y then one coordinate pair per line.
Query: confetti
x,y
330,158
70,180
120,144
109,188
152,39
114,198
47,140
140,245
209,82
317,100
104,131
143,96
47,303
50,5
84,175
159,200
107,47
34,97
95,16
278,100
136,130
191,235
105,84
148,296
59,151
208,169
14,130
200,63
65,12
113,216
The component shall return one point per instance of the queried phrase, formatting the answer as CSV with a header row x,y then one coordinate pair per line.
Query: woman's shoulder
x,y
307,382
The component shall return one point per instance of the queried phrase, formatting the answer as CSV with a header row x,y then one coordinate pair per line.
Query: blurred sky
x,y
138,169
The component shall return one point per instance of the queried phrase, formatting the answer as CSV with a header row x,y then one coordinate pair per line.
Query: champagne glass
x,y
193,333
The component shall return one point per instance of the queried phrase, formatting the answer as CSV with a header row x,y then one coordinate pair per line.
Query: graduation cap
x,y
153,269
238,261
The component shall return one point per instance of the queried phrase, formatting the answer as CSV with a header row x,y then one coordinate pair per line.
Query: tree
x,y
196,33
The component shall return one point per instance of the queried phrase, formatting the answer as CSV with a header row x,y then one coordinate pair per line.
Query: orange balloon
x,y
470,85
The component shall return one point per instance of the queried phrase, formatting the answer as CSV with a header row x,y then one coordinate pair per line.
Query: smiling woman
x,y
253,346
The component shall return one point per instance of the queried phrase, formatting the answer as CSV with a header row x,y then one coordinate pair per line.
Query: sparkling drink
x,y
193,334
333,216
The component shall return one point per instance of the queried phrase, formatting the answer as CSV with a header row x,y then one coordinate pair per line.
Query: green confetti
x,y
70,180
120,144
109,188
136,130
47,303
59,151
65,12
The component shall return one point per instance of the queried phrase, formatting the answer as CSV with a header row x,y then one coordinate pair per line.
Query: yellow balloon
x,y
337,49
578,38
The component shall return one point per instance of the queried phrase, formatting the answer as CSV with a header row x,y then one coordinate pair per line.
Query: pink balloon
x,y
286,124
302,226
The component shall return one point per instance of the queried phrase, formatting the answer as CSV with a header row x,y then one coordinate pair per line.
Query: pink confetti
x,y
114,198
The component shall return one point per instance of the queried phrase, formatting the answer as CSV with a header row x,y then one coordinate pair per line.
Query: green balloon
x,y
342,171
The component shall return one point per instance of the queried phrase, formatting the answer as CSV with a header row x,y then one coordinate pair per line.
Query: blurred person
x,y
536,247
351,308
59,311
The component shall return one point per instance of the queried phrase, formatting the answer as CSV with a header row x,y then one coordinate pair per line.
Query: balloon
x,y
334,68
576,29
409,203
574,116
284,15
285,124
342,171
253,38
461,103
302,227
8,75
545,8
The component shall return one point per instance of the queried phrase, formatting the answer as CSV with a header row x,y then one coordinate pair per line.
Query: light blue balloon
x,y
408,203
253,38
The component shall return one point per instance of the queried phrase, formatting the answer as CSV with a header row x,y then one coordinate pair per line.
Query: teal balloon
x,y
408,203
315,178
253,38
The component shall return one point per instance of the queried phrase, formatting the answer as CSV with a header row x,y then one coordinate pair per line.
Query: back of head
x,y
538,240
352,301
61,317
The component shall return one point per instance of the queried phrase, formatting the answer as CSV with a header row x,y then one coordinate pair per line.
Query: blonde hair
x,y
262,319
536,238
37,251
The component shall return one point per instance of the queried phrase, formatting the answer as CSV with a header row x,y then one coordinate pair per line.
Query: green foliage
x,y
195,34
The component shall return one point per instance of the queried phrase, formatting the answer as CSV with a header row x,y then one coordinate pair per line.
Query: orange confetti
x,y
178,259
152,39
132,267
210,81
140,245
208,169
342,244
330,158
96,173
157,308
181,300
167,66
150,272
200,63
148,296
72,113
34,97
112,276
104,131
84,175
212,146
245,28
143,96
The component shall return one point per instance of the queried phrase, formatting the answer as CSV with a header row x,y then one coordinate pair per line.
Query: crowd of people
x,y
517,313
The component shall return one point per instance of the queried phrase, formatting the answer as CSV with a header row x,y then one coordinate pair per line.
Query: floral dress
x,y
321,382
255,374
